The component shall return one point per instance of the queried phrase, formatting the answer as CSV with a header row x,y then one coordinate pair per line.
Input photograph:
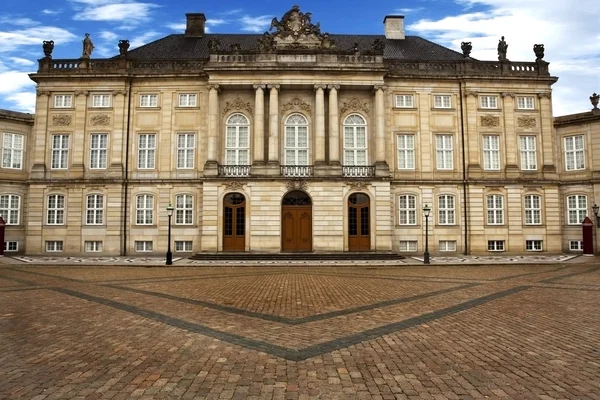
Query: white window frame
x,y
11,246
60,151
408,245
101,100
488,102
63,101
94,209
98,150
405,101
10,208
525,103
447,245
407,209
184,246
296,140
491,152
574,152
12,150
54,246
93,246
444,152
237,140
495,209
532,204
496,245
149,100
527,148
144,209
146,150
446,209
442,101
188,100
405,145
576,245
55,209
143,246
577,209
184,209
534,245
186,150
356,141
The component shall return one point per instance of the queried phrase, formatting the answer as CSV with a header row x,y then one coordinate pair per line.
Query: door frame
x,y
347,220
222,220
305,207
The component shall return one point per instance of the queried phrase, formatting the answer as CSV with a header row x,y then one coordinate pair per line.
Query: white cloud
x,y
107,35
109,11
256,24
25,22
409,10
178,27
51,12
12,40
14,81
215,22
23,101
563,28
141,40
21,61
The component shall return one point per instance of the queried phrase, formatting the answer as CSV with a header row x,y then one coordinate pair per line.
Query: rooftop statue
x,y
466,48
88,46
295,22
502,48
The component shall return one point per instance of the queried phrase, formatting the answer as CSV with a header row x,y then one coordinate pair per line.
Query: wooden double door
x,y
234,222
359,223
296,222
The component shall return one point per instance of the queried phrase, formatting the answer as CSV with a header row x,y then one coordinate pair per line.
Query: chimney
x,y
195,24
394,26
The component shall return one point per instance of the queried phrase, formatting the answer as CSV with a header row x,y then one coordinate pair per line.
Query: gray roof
x,y
180,47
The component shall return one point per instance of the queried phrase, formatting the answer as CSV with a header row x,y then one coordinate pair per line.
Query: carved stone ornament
x,y
116,92
123,47
471,93
490,121
296,184
42,92
538,50
214,45
237,105
508,94
354,105
61,120
48,46
544,94
526,122
594,98
233,185
81,93
466,48
100,120
296,105
357,186
295,30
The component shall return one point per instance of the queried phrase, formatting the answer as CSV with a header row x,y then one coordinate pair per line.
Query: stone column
x,y
381,166
274,124
334,126
118,135
213,128
511,138
78,145
42,118
259,125
319,125
547,141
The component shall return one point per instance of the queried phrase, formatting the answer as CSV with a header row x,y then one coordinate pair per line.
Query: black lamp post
x,y
426,211
595,209
169,254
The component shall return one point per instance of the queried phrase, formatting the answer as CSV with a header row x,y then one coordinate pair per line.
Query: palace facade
x,y
294,141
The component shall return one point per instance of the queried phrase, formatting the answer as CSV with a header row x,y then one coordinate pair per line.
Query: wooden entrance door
x,y
296,224
234,222
359,237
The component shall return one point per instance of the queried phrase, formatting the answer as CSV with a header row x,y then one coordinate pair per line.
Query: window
x,y
143,245
533,209
184,209
237,151
92,246
183,245
55,209
576,209
495,209
98,150
11,246
355,140
12,151
406,151
447,245
533,245
407,209
446,210
408,245
441,101
525,103
63,101
101,100
144,209
404,101
60,151
187,100
146,151
443,144
491,152
148,100
576,245
9,208
296,140
528,153
574,156
186,145
495,245
488,101
95,209
54,245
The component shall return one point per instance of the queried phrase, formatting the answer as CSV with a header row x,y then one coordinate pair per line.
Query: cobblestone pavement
x,y
298,332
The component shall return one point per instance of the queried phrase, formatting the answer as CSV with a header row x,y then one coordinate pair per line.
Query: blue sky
x,y
567,29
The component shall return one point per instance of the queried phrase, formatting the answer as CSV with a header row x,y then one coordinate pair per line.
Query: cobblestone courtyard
x,y
274,332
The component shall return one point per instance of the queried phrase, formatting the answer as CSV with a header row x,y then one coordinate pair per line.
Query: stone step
x,y
363,255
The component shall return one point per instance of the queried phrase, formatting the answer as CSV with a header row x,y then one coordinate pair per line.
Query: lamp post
x,y
595,209
426,211
169,254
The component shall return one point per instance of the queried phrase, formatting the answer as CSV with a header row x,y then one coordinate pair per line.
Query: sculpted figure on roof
x,y
295,22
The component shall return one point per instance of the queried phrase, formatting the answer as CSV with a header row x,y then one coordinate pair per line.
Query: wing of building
x,y
295,140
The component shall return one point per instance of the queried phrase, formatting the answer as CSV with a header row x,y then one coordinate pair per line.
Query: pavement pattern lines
x,y
410,332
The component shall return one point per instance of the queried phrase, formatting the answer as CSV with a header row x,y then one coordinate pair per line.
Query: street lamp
x,y
426,211
595,209
169,254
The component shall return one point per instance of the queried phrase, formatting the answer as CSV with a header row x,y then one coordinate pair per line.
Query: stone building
x,y
295,140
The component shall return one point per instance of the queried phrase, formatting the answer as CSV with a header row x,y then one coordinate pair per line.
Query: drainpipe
x,y
464,168
126,177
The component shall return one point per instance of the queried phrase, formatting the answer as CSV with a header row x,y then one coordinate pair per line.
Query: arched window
x,y
237,142
296,140
355,140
